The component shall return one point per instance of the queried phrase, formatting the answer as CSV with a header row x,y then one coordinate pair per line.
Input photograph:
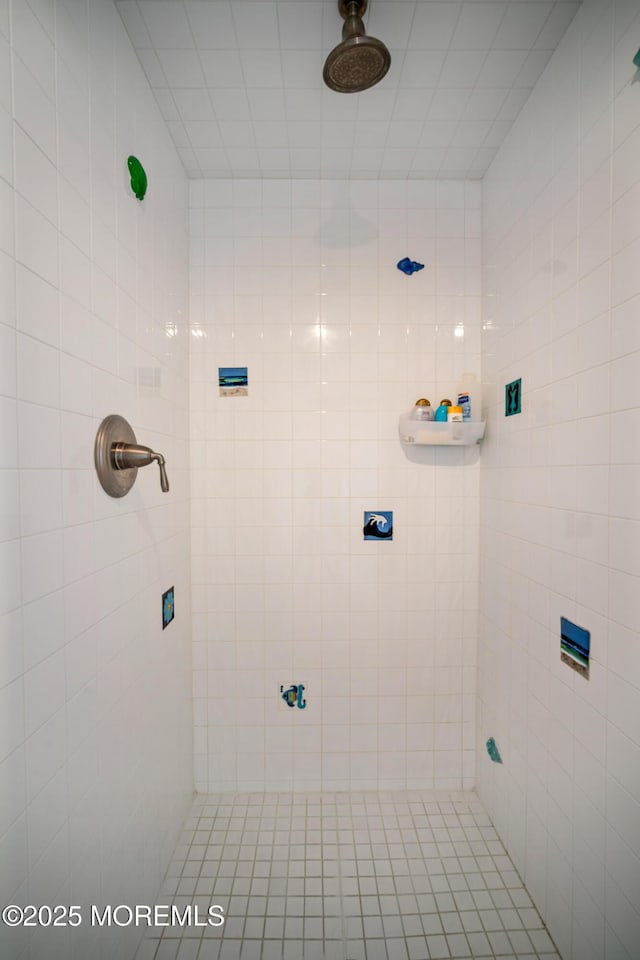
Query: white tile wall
x,y
559,517
95,748
297,280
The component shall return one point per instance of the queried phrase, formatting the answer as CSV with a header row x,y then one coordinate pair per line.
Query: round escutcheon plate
x,y
113,429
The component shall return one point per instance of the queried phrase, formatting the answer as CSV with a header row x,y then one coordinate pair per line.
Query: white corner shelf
x,y
428,433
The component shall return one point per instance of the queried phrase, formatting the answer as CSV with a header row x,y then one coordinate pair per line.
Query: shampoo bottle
x,y
454,419
423,410
442,411
470,397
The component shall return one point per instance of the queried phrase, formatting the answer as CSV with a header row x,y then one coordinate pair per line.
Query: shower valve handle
x,y
117,456
127,455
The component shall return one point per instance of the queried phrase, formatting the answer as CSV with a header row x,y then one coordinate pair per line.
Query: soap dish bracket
x,y
116,482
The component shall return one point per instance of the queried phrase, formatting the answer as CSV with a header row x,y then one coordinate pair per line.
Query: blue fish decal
x,y
293,697
409,266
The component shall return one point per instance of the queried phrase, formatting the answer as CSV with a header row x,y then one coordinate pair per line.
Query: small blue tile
x,y
513,398
378,525
168,607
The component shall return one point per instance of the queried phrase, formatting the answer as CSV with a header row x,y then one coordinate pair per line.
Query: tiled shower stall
x,y
412,652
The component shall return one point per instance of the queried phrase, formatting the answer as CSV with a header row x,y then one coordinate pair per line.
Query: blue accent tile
x,y
168,607
513,398
378,525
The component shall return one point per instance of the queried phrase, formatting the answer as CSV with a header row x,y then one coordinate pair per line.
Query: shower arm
x,y
352,12
127,455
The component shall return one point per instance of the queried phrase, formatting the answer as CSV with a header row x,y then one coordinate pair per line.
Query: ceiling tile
x,y
461,68
412,104
422,69
230,104
395,161
212,25
427,163
277,161
477,26
222,68
266,105
303,105
434,25
393,20
437,133
303,134
484,104
458,160
404,133
270,135
256,24
335,163
337,134
236,133
181,68
378,106
471,133
501,68
368,160
301,68
483,159
306,161
371,134
193,104
520,23
203,133
212,162
300,25
448,104
262,68
240,83
337,106
242,159
167,24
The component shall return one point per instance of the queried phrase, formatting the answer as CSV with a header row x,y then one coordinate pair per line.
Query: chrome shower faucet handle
x,y
117,456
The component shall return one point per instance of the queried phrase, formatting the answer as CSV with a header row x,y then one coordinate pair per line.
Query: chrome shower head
x,y
359,61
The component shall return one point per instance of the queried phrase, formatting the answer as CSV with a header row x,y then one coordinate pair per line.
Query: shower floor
x,y
399,875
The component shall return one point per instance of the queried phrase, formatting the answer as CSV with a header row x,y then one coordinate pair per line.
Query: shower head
x,y
359,61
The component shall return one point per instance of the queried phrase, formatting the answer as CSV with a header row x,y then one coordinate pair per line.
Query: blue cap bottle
x,y
442,411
